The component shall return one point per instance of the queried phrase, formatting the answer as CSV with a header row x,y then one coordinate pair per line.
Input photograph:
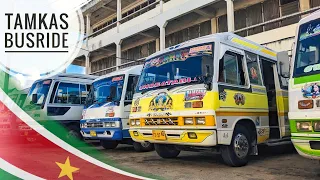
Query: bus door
x,y
277,100
269,82
282,103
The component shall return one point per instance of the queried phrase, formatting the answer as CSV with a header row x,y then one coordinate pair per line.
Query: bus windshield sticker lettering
x,y
168,83
311,91
310,68
119,78
161,102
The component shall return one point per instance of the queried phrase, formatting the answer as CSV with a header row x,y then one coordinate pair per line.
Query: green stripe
x,y
308,152
306,79
7,176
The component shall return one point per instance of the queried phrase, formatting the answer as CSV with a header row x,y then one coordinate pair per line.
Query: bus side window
x,y
67,93
231,69
253,68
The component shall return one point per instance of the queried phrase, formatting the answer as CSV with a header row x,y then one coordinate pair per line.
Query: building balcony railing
x,y
280,19
151,5
123,65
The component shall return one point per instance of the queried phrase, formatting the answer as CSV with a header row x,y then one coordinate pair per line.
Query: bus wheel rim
x,y
241,146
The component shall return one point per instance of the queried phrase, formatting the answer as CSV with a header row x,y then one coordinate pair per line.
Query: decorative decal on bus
x,y
194,94
311,90
161,102
239,99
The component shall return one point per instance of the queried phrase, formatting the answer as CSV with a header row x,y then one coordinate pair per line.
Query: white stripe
x,y
44,132
305,135
4,165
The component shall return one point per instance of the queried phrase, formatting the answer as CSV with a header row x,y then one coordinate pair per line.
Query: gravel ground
x,y
206,165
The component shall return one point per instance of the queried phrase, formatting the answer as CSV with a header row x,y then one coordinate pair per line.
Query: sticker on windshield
x,y
168,83
46,82
181,55
119,78
310,68
311,32
200,49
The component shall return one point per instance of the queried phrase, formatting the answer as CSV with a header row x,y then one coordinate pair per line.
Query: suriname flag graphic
x,y
34,147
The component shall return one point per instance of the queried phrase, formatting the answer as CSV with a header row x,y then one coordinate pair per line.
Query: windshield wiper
x,y
171,87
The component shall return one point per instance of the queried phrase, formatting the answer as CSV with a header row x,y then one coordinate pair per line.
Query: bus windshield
x,y
308,49
108,89
177,68
41,89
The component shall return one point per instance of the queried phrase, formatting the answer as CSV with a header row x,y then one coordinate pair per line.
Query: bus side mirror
x,y
283,64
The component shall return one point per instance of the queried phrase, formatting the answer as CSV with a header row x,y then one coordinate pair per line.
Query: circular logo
x,y
40,38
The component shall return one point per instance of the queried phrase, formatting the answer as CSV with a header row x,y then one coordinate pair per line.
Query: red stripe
x,y
40,158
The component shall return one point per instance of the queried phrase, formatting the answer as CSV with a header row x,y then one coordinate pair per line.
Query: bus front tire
x,y
237,153
74,131
166,151
109,144
143,147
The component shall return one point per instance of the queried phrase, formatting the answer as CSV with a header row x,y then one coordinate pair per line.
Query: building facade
x,y
122,33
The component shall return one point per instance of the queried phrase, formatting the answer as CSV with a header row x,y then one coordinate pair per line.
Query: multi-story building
x,y
121,33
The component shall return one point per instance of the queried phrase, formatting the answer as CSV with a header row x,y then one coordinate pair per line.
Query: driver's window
x,y
132,82
231,69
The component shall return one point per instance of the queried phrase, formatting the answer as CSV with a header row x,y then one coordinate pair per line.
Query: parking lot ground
x,y
205,165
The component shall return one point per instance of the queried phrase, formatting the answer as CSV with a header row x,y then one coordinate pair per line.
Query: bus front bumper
x,y
205,138
114,134
307,147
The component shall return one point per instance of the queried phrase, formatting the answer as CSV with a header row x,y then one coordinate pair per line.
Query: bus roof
x,y
313,16
225,38
73,77
129,70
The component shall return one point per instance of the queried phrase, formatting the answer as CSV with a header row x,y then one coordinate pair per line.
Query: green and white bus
x,y
304,88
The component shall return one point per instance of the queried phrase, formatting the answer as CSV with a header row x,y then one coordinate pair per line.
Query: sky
x,y
76,69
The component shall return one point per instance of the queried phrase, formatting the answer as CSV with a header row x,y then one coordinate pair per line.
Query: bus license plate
x,y
159,135
93,133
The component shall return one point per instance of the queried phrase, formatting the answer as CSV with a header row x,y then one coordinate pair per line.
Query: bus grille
x,y
95,125
161,121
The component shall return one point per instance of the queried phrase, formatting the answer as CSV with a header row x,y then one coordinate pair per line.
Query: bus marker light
x,y
192,135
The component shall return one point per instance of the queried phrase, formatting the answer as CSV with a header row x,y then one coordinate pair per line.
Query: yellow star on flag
x,y
66,169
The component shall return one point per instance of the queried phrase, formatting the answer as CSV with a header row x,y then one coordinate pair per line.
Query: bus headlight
x,y
133,122
200,121
316,126
113,124
107,124
188,121
84,125
138,122
304,126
